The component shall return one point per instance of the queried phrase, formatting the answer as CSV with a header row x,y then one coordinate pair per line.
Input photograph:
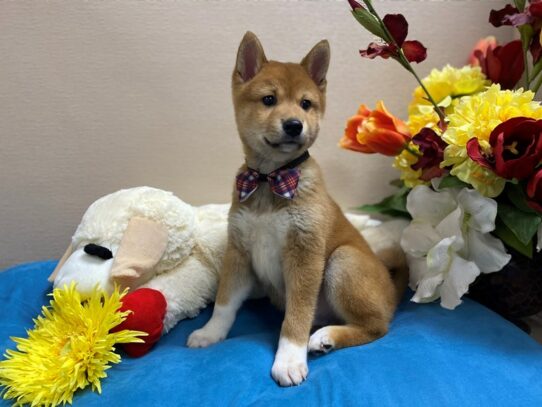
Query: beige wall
x,y
101,95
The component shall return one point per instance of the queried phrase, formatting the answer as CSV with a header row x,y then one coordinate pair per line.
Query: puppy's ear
x,y
250,57
316,62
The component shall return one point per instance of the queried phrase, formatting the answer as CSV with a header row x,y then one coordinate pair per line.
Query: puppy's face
x,y
278,106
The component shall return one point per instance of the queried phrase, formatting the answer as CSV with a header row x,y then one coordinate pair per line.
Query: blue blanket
x,y
431,357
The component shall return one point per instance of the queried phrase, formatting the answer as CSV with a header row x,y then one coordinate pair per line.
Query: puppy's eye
x,y
306,104
269,100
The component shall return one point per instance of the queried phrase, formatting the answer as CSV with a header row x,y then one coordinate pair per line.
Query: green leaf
x,y
393,205
397,183
520,4
526,33
517,196
510,239
450,181
536,69
522,224
369,22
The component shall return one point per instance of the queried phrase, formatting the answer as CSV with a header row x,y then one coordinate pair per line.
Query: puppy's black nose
x,y
292,127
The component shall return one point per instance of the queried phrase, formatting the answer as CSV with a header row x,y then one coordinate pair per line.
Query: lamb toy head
x,y
148,238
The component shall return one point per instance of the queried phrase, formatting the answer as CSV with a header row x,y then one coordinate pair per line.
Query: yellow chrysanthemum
x,y
476,116
445,86
69,348
403,163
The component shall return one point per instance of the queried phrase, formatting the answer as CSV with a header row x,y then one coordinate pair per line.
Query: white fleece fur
x,y
106,220
192,285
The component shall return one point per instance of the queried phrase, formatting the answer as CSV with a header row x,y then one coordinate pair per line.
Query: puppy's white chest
x,y
264,237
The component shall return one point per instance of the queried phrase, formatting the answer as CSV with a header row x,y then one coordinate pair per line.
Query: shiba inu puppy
x,y
287,238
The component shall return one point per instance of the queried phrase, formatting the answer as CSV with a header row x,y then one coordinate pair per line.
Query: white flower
x,y
448,242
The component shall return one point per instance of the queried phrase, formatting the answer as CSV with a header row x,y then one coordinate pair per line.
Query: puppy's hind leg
x,y
234,287
360,290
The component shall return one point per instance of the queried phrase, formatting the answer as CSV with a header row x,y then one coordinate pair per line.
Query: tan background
x,y
100,95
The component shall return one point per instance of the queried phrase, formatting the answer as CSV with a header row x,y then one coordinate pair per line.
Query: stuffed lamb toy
x,y
151,242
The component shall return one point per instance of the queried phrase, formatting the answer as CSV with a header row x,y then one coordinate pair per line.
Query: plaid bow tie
x,y
283,181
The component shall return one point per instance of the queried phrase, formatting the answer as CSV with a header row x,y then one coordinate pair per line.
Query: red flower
x,y
516,148
354,4
534,191
535,11
509,15
503,64
432,148
532,15
536,48
535,8
375,49
397,26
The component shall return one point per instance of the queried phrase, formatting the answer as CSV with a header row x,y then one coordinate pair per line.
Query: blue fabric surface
x,y
431,357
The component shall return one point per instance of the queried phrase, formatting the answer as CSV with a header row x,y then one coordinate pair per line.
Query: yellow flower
x,y
403,161
446,86
476,116
69,348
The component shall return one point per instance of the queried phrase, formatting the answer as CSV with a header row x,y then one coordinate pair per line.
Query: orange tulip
x,y
376,131
481,49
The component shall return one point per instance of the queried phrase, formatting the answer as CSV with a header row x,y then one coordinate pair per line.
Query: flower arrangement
x,y
469,155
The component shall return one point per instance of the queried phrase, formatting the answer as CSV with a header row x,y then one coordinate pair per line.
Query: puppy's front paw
x,y
289,373
201,338
290,367
320,341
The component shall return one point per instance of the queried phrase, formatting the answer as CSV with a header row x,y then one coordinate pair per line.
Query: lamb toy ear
x,y
141,248
63,259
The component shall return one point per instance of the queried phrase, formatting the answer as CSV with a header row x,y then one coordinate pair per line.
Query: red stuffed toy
x,y
148,308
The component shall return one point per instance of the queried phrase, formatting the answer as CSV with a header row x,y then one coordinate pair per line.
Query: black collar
x,y
292,164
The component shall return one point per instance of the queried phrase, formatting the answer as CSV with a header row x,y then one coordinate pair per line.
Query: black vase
x,y
513,292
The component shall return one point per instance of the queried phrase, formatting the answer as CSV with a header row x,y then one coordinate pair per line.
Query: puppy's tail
x,y
384,240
